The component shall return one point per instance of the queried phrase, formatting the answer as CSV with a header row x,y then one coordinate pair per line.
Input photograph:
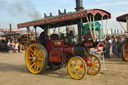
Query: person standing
x,y
44,37
19,47
8,44
118,46
16,46
113,44
107,48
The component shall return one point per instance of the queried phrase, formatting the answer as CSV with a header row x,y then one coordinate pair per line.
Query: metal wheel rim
x,y
34,59
125,50
76,68
95,65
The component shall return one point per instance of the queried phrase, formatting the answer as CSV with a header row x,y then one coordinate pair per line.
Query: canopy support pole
x,y
103,33
94,31
59,30
90,28
28,29
80,28
48,30
35,33
106,27
122,26
127,23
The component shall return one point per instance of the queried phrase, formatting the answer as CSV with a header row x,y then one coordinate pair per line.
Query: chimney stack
x,y
79,5
10,26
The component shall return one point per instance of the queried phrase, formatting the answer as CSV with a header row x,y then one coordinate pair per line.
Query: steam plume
x,y
20,8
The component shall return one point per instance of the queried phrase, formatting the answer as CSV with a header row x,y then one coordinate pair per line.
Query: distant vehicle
x,y
124,44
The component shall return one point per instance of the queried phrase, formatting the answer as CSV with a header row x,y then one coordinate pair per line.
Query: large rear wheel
x,y
94,65
77,68
57,65
36,58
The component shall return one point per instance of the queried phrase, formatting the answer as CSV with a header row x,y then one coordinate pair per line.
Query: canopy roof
x,y
122,18
67,19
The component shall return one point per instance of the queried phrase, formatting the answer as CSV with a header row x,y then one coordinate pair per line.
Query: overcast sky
x,y
18,11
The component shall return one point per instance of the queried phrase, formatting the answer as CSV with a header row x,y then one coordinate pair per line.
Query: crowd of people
x,y
113,42
14,46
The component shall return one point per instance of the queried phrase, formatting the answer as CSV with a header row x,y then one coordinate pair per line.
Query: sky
x,y
19,11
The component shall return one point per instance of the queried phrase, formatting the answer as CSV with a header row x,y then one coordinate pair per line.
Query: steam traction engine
x,y
124,43
56,53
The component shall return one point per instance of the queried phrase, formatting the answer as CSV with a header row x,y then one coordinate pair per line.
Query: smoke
x,y
20,8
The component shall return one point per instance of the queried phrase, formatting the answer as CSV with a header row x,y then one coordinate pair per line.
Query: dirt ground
x,y
14,72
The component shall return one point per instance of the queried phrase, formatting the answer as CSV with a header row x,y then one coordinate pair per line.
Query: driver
x,y
44,37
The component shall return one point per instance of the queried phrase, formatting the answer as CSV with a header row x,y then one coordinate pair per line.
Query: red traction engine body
x,y
58,51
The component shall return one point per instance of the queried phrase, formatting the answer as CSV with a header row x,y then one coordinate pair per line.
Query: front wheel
x,y
124,50
36,58
94,65
76,68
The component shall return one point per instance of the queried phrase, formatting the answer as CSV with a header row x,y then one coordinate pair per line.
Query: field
x,y
14,72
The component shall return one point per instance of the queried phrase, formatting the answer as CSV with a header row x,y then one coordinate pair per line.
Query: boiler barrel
x,y
79,51
75,51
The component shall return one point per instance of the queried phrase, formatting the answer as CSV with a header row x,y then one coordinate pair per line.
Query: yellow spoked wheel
x,y
36,58
77,68
125,51
94,65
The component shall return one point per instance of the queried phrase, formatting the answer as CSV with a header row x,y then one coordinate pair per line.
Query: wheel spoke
x,y
33,64
39,64
73,70
31,54
35,67
97,65
78,74
90,59
29,58
34,50
81,70
31,49
39,59
39,53
89,68
93,69
76,62
93,60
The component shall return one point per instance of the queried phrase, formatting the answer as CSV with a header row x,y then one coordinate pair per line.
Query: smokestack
x,y
10,26
111,31
79,5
